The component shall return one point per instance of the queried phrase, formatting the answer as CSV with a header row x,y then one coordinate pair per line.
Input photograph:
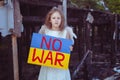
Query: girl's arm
x,y
70,35
42,29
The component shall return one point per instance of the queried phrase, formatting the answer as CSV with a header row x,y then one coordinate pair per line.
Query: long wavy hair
x,y
47,20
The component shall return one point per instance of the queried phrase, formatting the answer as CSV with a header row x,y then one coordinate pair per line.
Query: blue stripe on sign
x,y
51,43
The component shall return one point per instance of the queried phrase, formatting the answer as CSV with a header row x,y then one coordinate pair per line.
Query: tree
x,y
112,5
85,4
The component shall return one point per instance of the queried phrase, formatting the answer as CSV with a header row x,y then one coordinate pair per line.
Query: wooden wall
x,y
96,36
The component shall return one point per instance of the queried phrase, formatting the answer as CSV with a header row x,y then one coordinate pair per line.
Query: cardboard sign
x,y
49,51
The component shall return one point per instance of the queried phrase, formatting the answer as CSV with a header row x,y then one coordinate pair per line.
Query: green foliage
x,y
85,3
113,5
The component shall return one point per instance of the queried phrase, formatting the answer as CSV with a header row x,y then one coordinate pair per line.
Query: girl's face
x,y
55,20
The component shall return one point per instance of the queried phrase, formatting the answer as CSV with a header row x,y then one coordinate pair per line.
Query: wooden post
x,y
16,33
15,57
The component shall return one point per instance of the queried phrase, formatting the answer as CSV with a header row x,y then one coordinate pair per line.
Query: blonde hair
x,y
47,20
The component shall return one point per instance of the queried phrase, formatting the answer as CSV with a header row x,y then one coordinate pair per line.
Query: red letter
x,y
59,60
37,57
44,41
49,57
60,43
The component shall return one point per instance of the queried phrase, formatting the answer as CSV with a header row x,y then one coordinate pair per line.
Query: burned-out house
x,y
96,49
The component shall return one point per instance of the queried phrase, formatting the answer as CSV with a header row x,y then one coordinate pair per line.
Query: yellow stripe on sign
x,y
48,58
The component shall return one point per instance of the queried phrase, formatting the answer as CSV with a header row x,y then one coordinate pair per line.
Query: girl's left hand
x,y
71,48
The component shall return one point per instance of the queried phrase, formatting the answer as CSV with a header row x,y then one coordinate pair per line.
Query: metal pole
x,y
65,10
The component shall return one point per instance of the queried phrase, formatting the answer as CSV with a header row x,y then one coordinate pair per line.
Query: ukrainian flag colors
x,y
49,51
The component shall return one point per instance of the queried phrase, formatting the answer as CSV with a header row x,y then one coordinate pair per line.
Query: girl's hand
x,y
71,48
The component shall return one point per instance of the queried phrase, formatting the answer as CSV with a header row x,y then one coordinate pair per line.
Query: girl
x,y
54,26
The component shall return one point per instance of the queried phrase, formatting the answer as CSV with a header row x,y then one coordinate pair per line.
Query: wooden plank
x,y
15,57
38,19
41,2
16,33
33,19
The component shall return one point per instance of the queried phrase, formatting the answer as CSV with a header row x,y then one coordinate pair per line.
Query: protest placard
x,y
49,51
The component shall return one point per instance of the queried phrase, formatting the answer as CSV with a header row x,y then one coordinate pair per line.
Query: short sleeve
x,y
70,34
42,29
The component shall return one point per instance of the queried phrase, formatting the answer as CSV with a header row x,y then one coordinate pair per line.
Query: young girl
x,y
54,26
